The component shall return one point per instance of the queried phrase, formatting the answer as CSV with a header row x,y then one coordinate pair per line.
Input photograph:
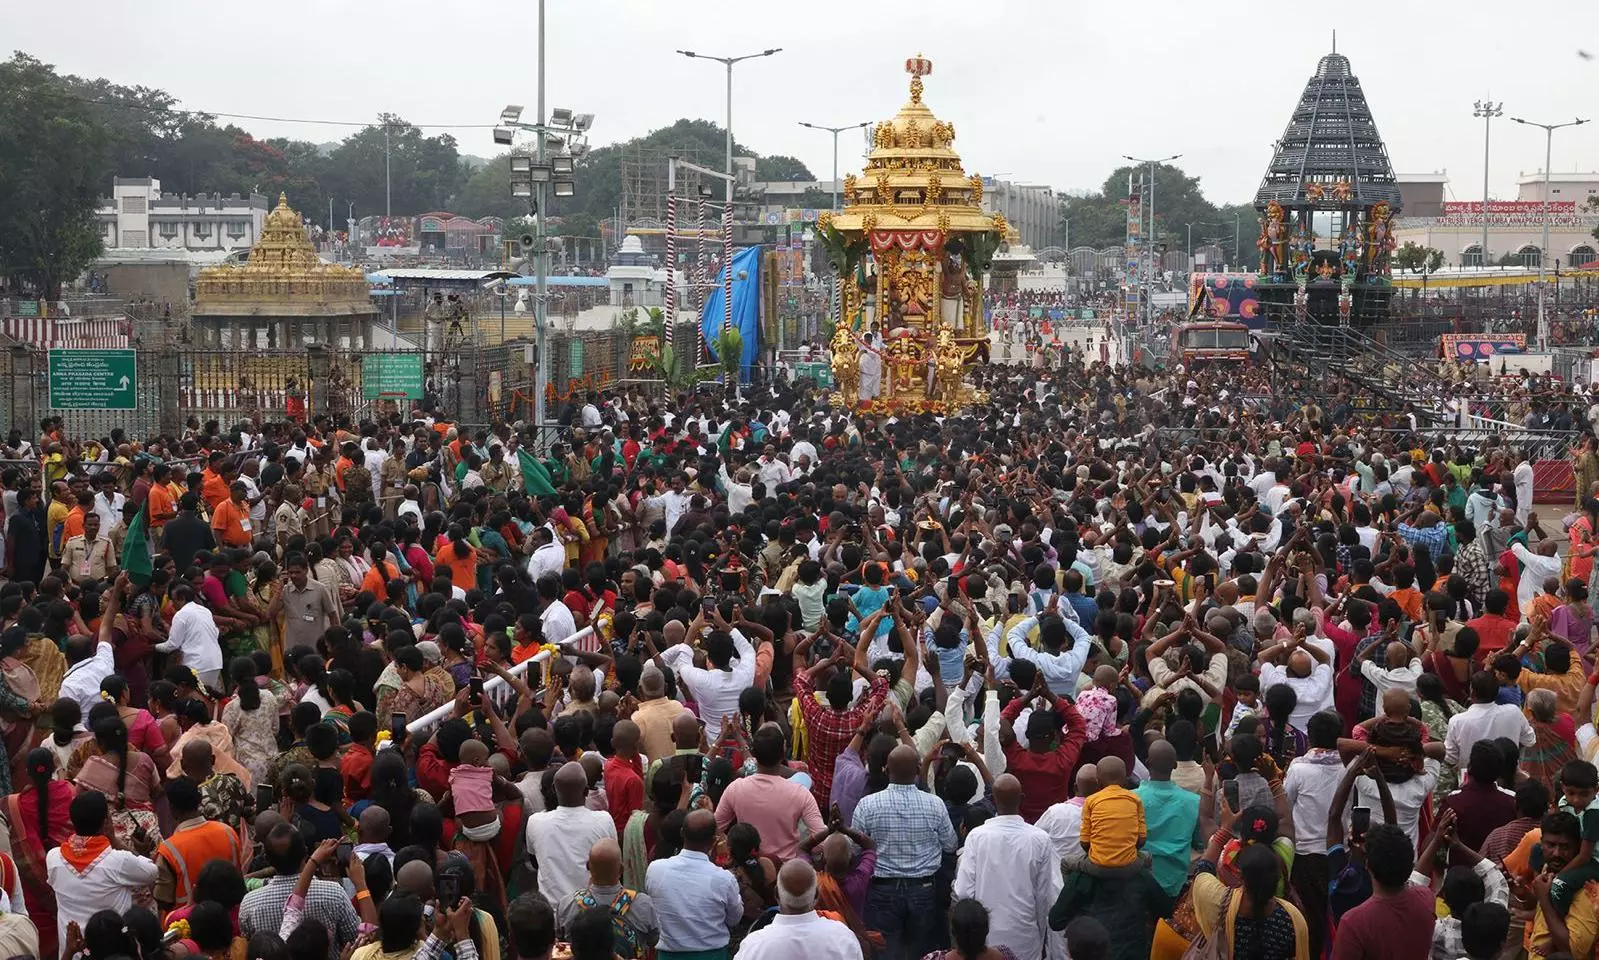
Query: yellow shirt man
x,y
1113,826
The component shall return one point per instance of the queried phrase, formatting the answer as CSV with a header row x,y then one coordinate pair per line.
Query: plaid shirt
x,y
1472,565
434,948
911,829
1368,690
828,732
1435,538
262,910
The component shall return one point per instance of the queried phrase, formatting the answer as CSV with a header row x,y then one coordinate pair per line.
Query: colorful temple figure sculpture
x,y
1329,169
1273,242
915,244
1379,240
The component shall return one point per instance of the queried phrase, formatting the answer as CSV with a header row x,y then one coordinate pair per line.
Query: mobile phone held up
x,y
397,728
476,695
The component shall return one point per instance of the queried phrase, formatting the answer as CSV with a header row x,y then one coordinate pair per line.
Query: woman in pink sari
x,y
144,733
38,819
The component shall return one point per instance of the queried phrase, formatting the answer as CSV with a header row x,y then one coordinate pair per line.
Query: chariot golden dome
x,y
283,267
913,178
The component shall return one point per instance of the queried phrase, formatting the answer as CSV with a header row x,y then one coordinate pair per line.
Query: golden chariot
x,y
910,248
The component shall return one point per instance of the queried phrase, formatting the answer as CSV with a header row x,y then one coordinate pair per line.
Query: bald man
x,y
1064,821
560,840
1113,818
1172,816
655,714
798,932
624,774
688,738
1009,866
696,901
912,831
632,911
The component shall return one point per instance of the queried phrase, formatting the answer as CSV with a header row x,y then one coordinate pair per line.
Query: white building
x,y
139,216
1032,208
1515,227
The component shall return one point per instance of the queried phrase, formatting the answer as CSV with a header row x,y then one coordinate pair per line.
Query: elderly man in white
x,y
798,932
1010,866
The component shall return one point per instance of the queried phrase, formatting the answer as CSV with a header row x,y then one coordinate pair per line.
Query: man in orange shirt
x,y
213,486
159,503
230,521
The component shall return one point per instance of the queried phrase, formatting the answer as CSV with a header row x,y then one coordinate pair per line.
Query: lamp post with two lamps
x,y
833,304
1149,284
1543,250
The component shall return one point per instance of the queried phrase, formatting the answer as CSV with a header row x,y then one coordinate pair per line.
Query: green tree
x,y
1099,219
487,192
1414,258
781,167
424,173
55,162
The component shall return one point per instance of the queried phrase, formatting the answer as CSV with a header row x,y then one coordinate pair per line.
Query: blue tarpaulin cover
x,y
746,307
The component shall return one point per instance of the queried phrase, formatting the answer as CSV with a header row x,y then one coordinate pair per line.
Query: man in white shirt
x,y
193,634
1485,719
1307,671
1522,477
1064,821
673,501
548,556
1009,866
556,618
107,881
372,458
560,839
1537,566
108,502
1061,664
773,471
798,932
89,663
1311,781
717,685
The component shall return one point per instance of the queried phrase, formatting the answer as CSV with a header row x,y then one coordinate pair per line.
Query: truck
x,y
1209,341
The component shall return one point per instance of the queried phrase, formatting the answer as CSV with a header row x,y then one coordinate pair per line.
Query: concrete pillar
x,y
168,387
321,363
24,379
468,408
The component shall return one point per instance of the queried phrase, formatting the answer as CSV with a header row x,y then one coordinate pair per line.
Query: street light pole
x,y
834,306
387,207
541,268
1543,251
727,281
1149,310
1487,110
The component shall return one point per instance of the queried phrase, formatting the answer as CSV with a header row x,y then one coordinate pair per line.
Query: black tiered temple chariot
x,y
1327,207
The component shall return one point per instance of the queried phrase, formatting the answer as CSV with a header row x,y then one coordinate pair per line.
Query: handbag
x,y
1212,947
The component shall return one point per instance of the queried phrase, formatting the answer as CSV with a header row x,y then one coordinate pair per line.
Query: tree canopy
x,y
1099,219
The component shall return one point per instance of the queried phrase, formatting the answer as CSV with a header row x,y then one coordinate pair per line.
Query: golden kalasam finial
x,y
918,67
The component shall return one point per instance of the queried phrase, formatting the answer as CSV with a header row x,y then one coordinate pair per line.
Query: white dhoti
x,y
949,310
871,375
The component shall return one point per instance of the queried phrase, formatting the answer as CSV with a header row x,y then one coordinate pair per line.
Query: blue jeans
x,y
903,912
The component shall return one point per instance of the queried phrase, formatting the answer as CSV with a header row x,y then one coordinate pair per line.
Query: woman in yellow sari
x,y
264,588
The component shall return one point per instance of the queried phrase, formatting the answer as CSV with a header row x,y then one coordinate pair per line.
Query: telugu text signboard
x,y
391,376
93,379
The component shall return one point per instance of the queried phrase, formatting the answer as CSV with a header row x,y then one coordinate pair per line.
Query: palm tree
x,y
730,356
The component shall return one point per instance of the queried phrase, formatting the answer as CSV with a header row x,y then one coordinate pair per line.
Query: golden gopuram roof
x,y
913,178
283,277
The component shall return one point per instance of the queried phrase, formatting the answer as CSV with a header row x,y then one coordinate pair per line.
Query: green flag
x,y
535,479
136,550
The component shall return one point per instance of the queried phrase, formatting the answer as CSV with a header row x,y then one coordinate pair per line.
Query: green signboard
x,y
93,379
821,372
391,376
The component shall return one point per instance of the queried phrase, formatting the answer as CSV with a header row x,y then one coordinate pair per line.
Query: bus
x,y
1210,341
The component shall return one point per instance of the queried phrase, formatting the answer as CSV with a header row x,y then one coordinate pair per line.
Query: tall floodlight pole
x,y
727,214
1543,251
834,307
1487,110
1149,281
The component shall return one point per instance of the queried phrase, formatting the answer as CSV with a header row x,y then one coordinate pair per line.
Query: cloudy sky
x,y
1040,91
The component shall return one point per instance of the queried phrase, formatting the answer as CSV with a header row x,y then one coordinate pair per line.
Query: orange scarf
x,y
81,853
831,903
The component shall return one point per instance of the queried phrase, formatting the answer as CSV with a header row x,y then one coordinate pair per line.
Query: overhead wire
x,y
125,105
